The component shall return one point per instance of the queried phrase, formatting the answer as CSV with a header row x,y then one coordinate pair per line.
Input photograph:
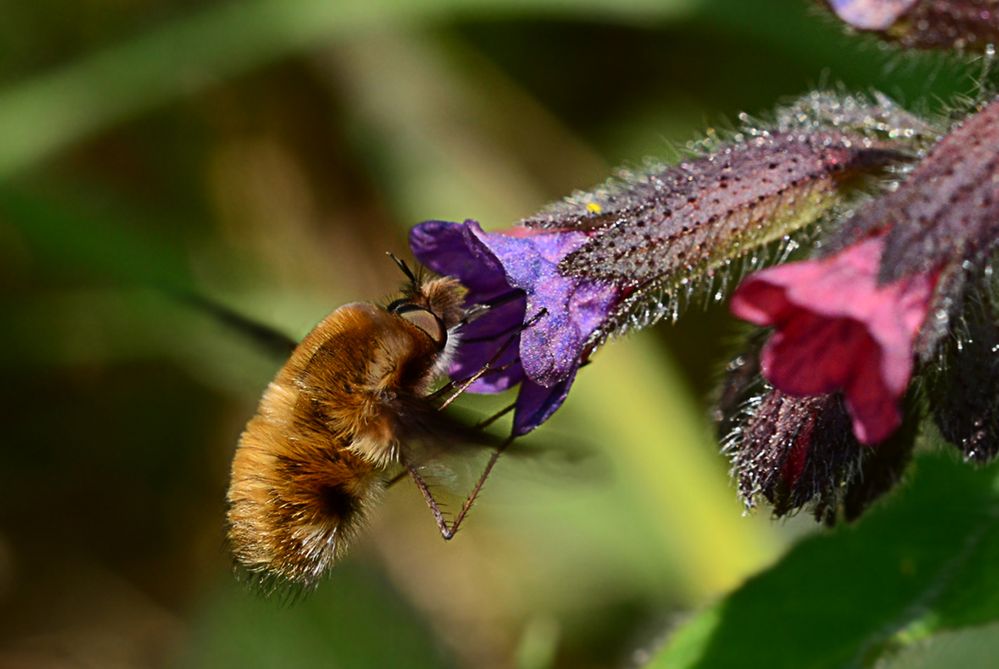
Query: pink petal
x,y
838,330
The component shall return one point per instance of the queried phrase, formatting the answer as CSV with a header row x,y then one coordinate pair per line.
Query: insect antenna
x,y
401,264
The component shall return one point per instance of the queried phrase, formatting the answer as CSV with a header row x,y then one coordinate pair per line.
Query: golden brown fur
x,y
315,456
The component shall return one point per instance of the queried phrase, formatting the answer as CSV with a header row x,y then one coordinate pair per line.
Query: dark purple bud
x,y
963,386
948,209
795,451
926,24
800,451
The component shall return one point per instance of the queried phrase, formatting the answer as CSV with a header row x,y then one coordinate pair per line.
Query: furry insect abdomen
x,y
295,498
313,459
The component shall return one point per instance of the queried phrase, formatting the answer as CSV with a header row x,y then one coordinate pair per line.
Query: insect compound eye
x,y
423,319
396,305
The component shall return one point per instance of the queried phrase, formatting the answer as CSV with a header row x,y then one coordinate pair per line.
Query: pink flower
x,y
839,329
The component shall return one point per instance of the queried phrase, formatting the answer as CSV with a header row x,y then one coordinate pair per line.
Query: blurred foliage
x,y
266,153
883,591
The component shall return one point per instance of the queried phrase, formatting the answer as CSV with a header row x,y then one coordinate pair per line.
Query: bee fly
x,y
351,407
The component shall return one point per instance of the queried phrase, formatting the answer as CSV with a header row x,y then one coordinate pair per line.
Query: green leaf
x,y
923,562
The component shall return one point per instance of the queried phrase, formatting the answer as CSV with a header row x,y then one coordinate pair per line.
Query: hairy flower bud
x,y
876,125
687,220
795,450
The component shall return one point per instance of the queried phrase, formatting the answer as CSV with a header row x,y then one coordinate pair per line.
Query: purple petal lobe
x,y
480,343
551,348
454,250
536,404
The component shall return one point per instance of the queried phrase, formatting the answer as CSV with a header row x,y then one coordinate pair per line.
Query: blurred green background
x,y
266,154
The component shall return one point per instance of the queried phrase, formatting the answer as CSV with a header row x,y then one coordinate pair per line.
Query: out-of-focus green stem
x,y
51,111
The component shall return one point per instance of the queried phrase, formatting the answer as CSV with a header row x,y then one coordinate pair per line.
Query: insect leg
x,y
456,388
448,532
486,422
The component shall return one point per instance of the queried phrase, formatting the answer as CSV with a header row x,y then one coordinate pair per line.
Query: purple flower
x,y
515,273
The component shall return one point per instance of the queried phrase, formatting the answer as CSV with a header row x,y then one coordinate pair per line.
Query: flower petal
x,y
551,348
453,249
536,404
481,341
838,329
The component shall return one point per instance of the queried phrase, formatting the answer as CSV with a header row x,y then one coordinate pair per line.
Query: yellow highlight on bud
x,y
593,208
